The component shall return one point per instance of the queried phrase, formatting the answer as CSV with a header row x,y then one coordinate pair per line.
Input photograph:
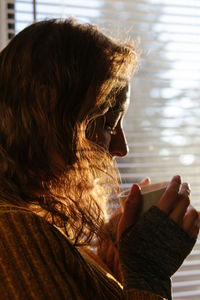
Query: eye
x,y
111,129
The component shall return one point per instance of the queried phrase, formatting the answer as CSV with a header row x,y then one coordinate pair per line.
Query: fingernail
x,y
186,186
177,178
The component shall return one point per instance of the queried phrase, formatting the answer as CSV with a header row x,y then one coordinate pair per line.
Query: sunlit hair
x,y
55,78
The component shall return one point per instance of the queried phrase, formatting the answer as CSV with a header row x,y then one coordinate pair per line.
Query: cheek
x,y
104,139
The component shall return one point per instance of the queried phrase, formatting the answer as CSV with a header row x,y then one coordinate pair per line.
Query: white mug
x,y
151,194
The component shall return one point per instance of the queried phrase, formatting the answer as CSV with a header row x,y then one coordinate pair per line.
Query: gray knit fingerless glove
x,y
151,252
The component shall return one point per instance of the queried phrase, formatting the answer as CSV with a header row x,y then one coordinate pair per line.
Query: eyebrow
x,y
121,95
119,105
116,109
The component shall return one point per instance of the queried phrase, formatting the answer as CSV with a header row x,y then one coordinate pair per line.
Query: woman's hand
x,y
146,181
154,248
132,207
175,202
106,248
112,225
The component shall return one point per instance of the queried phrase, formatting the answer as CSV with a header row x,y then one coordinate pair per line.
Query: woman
x,y
63,95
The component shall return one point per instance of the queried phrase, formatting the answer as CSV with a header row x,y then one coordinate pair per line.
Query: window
x,y
7,21
163,122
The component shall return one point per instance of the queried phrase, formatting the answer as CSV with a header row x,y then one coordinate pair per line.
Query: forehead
x,y
122,99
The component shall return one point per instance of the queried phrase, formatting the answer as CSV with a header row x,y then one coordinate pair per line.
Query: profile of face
x,y
109,131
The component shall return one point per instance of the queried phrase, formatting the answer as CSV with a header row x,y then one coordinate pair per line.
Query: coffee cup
x,y
151,194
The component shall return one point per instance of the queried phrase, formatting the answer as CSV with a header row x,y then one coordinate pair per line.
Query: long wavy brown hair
x,y
56,77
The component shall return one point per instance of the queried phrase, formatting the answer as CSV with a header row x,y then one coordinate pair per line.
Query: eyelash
x,y
111,129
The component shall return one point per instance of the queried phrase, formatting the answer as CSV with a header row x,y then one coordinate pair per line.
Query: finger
x,y
183,202
116,213
145,181
191,221
131,208
195,230
170,196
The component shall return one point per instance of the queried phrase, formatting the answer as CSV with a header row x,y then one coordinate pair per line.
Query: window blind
x,y
163,121
7,21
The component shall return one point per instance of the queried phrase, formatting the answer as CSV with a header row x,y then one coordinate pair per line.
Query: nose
x,y
118,144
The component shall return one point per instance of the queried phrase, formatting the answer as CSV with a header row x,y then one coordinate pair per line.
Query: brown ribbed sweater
x,y
38,262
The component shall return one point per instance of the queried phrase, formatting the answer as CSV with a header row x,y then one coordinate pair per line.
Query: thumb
x,y
131,209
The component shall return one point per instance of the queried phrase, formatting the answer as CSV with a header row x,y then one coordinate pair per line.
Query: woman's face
x,y
109,127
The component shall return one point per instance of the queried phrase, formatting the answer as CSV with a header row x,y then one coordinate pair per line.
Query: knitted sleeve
x,y
152,251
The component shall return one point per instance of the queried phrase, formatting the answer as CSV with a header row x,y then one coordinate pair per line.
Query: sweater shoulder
x,y
21,226
29,241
